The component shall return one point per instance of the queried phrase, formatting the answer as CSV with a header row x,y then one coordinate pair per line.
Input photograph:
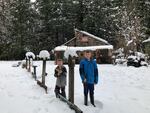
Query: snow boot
x,y
92,100
57,91
63,94
86,100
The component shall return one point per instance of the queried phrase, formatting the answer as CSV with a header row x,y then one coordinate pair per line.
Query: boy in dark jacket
x,y
89,75
60,74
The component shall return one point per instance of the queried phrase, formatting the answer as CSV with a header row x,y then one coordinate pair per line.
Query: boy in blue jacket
x,y
89,76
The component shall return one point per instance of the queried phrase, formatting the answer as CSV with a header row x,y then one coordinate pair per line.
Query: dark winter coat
x,y
61,78
88,71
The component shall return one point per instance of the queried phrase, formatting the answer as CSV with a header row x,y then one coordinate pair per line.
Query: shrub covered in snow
x,y
30,55
137,60
119,53
44,54
120,61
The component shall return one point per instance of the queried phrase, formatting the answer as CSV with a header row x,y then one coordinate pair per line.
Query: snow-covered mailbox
x,y
29,56
102,50
44,55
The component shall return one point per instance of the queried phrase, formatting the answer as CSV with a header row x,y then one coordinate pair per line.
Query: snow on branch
x,y
148,3
44,54
30,55
148,40
129,42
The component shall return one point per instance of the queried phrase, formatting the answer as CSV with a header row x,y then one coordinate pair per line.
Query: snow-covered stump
x,y
44,55
29,56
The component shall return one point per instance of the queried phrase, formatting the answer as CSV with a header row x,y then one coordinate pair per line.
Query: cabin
x,y
101,49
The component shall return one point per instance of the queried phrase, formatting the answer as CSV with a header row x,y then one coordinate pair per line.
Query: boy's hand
x,y
84,81
59,72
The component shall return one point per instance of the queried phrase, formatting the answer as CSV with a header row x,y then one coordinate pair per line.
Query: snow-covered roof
x,y
93,36
64,48
148,40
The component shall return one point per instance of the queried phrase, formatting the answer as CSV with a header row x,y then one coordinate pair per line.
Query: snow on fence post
x,y
29,56
70,55
44,55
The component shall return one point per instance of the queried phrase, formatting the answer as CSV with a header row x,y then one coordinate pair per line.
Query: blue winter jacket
x,y
88,70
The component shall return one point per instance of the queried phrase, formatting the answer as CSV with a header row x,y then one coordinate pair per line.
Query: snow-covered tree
x,y
22,27
130,26
4,28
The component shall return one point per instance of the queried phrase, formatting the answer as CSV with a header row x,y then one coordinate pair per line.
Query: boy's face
x,y
59,62
88,55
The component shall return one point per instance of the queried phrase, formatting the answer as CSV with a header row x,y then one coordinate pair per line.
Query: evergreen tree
x,y
4,28
21,29
45,24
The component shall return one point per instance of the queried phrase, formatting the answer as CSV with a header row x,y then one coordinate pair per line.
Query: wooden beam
x,y
71,105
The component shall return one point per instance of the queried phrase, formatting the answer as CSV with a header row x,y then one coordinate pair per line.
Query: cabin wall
x,y
83,40
103,56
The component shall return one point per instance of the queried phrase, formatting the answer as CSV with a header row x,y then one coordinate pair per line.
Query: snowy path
x,y
20,94
121,90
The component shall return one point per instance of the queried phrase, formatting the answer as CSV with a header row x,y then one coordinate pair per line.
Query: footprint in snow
x,y
135,99
52,99
46,109
33,97
37,110
10,95
99,104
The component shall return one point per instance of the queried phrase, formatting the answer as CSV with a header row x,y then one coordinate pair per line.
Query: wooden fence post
x,y
34,72
71,64
29,68
26,63
44,71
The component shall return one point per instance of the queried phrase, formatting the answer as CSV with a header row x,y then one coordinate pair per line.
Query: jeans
x,y
57,91
88,88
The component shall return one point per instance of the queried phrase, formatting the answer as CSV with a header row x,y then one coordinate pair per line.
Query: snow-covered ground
x,y
121,89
